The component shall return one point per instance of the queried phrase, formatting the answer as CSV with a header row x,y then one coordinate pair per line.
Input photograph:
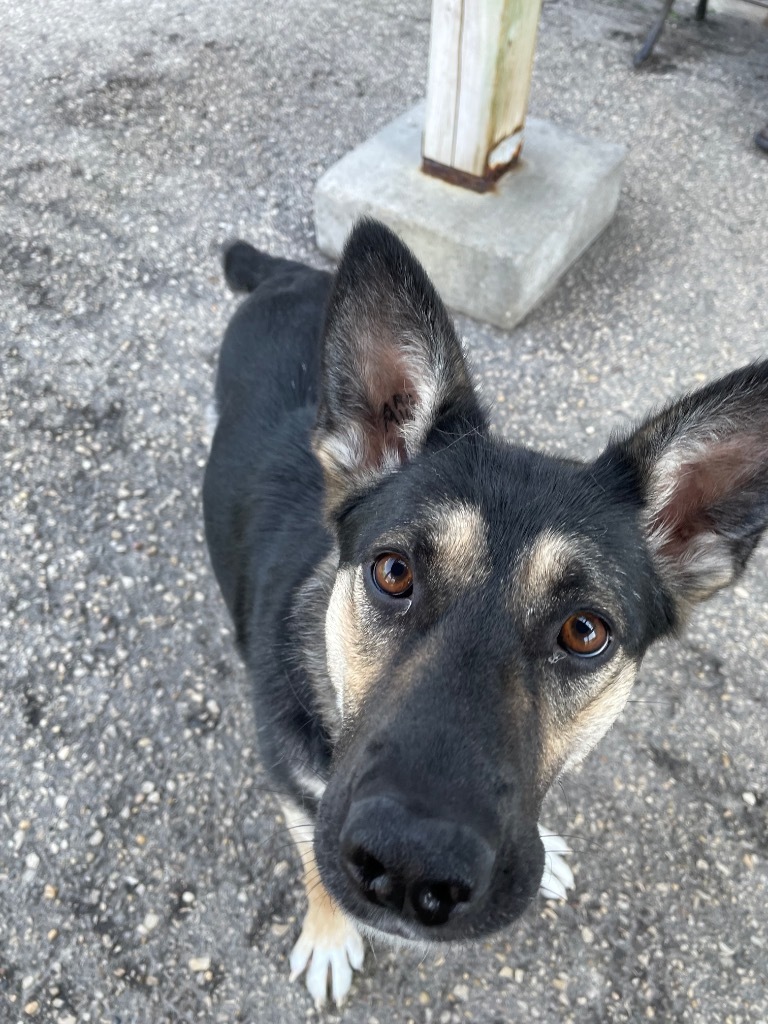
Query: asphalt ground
x,y
144,875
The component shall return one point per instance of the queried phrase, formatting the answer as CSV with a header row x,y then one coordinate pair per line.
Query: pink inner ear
x,y
703,484
391,399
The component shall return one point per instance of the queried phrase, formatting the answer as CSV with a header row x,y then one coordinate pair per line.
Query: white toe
x,y
551,888
553,843
561,870
329,957
300,956
558,877
341,975
317,977
355,949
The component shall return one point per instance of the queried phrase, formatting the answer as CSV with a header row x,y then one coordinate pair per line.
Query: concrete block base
x,y
491,255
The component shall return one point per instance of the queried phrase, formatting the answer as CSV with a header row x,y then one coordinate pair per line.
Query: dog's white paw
x,y
558,877
328,949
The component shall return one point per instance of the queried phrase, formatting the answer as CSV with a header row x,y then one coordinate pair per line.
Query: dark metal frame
x,y
652,38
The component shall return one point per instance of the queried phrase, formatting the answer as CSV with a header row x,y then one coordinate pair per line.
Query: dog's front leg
x,y
329,943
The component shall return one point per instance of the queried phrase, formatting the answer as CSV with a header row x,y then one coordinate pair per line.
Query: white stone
x,y
492,255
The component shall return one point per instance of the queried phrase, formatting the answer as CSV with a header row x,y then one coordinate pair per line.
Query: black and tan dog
x,y
437,623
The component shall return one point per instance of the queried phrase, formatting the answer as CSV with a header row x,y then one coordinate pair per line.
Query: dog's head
x,y
491,604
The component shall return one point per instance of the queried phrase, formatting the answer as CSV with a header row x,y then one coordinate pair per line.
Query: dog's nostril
x,y
375,882
382,889
365,867
434,902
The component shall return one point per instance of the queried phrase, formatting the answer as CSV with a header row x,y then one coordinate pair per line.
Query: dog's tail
x,y
245,267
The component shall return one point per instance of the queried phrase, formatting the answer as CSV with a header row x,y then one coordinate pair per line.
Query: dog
x,y
437,623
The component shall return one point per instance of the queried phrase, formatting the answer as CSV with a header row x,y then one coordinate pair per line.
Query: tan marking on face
x,y
354,649
459,536
541,568
566,742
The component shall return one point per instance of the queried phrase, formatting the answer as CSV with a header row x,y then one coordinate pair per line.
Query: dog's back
x,y
262,484
269,361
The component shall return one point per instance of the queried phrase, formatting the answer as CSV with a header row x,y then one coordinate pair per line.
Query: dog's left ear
x,y
393,370
701,467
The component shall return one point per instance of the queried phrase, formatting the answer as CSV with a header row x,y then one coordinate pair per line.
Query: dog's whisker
x,y
565,795
312,885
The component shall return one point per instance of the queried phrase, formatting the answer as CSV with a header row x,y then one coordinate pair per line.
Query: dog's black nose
x,y
423,868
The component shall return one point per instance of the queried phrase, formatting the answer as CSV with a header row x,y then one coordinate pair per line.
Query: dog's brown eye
x,y
584,634
392,575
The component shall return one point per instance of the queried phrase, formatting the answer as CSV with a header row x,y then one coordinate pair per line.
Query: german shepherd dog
x,y
437,623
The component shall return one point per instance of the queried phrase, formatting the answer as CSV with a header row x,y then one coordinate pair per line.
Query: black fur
x,y
447,755
263,490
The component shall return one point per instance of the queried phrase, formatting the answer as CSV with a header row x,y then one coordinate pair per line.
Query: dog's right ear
x,y
393,370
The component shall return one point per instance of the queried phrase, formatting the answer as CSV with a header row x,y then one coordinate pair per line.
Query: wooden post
x,y
480,65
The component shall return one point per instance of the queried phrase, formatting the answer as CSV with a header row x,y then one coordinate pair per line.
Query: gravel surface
x,y
144,873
